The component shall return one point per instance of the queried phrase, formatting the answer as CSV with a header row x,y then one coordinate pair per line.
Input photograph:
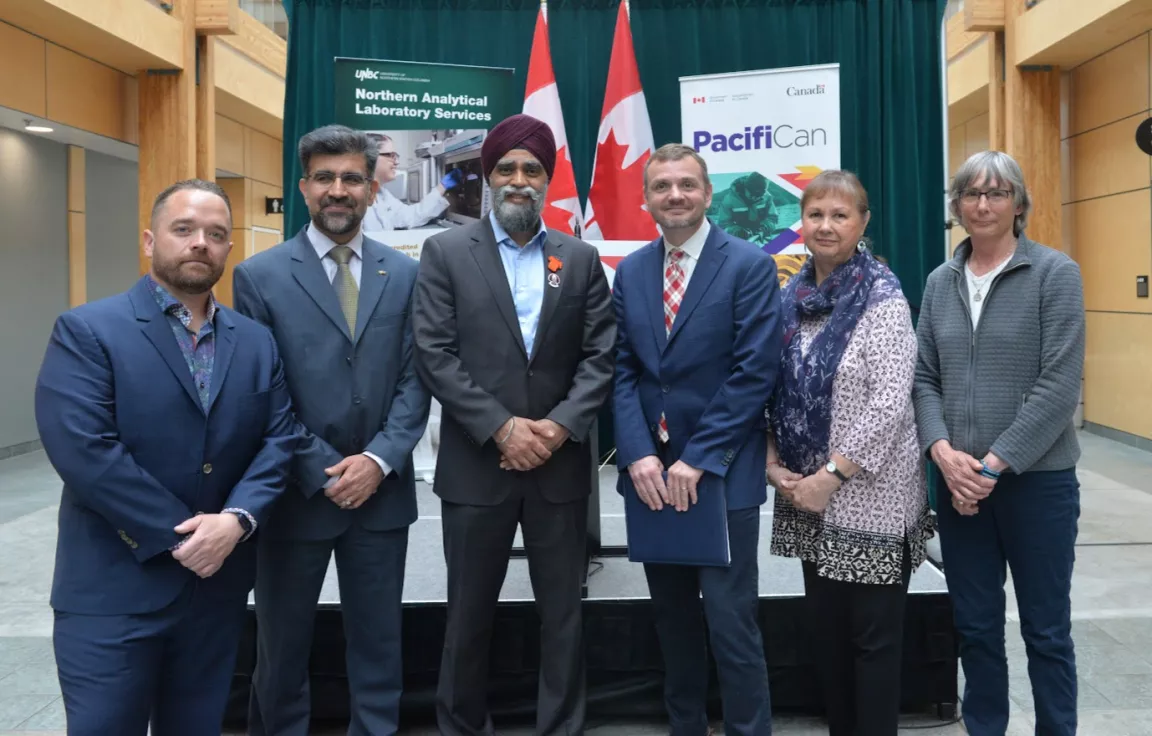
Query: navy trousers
x,y
1029,522
289,577
172,668
731,598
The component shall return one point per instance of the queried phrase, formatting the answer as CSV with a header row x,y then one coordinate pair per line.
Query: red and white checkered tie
x,y
673,295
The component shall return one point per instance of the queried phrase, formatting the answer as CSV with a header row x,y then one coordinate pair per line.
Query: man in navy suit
x,y
339,306
167,416
698,347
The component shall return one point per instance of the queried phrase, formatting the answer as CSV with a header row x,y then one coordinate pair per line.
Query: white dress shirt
x,y
692,248
323,246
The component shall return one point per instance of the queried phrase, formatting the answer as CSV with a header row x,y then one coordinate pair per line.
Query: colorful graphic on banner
x,y
765,135
429,121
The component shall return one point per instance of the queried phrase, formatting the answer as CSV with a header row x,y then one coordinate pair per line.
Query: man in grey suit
x,y
338,305
514,336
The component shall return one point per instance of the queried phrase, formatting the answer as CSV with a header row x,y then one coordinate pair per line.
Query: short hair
x,y
836,182
380,137
190,185
337,140
998,166
676,152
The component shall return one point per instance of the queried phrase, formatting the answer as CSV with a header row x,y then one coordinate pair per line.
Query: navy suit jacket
x,y
352,393
712,375
124,428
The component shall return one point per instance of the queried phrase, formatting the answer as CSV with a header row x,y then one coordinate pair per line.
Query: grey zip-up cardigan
x,y
1011,385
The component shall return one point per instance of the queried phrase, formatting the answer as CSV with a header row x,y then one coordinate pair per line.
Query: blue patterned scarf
x,y
801,408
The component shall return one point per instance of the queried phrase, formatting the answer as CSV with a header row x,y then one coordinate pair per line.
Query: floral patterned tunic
x,y
860,537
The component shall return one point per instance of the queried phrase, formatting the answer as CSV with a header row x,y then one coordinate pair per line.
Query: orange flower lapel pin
x,y
555,264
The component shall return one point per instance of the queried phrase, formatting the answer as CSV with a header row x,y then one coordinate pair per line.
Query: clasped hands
x,y
647,475
810,493
213,537
530,442
962,475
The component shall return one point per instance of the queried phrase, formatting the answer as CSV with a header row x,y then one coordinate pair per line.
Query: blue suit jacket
x,y
123,426
352,393
712,375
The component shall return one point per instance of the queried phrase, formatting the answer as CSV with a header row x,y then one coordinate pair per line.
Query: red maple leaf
x,y
561,187
617,194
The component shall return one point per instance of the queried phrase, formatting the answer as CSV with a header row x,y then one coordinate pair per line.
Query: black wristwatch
x,y
831,468
245,522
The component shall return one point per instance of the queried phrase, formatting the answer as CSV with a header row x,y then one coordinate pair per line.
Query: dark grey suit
x,y
470,353
352,393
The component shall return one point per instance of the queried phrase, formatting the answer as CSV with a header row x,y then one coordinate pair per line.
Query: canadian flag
x,y
616,209
542,101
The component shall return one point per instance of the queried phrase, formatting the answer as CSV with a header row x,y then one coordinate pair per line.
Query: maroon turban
x,y
519,131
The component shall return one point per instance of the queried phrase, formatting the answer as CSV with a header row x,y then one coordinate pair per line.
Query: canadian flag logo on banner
x,y
542,101
616,208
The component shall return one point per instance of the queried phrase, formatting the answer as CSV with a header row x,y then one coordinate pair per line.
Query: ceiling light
x,y
28,126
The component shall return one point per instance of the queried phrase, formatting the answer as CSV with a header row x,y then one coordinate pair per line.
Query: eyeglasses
x,y
392,155
995,196
350,180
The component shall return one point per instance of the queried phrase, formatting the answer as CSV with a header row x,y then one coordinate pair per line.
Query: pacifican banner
x,y
429,121
765,134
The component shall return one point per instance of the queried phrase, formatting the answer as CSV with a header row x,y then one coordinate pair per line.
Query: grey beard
x,y
518,218
337,224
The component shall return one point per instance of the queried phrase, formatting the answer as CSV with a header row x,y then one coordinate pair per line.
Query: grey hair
x,y
336,140
992,166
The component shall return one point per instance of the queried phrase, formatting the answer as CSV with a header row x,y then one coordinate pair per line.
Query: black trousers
x,y
477,545
858,634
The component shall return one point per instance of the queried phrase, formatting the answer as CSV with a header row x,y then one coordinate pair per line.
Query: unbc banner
x,y
765,134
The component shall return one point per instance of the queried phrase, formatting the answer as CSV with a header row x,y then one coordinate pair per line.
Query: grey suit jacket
x,y
470,354
351,393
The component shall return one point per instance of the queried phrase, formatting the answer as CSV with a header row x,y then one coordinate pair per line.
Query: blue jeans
x,y
1029,522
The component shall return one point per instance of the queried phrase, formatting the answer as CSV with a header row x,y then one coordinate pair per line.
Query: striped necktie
x,y
345,285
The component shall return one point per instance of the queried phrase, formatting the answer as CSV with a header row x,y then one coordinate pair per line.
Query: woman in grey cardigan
x,y
1001,354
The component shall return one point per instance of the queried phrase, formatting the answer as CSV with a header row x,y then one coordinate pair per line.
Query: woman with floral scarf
x,y
851,495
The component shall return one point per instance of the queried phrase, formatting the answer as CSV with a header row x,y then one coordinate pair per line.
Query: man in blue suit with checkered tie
x,y
698,349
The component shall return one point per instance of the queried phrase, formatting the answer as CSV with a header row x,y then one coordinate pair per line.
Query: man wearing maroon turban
x,y
514,332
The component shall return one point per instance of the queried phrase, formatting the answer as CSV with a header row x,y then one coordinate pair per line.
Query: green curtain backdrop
x,y
888,51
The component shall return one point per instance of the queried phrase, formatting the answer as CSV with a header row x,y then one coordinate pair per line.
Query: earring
x,y
861,247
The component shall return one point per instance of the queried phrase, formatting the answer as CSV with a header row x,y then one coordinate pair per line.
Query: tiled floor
x,y
1112,606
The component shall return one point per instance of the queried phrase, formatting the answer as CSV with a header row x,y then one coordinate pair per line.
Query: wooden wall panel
x,y
85,94
1116,391
223,289
1110,87
257,191
263,158
1112,239
237,191
976,135
230,145
956,143
263,241
1105,161
23,91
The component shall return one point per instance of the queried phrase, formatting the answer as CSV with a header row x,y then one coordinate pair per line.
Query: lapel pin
x,y
382,273
554,280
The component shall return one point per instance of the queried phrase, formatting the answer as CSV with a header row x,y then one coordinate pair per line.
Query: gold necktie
x,y
345,285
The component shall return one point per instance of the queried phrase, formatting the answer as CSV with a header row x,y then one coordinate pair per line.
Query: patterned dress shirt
x,y
199,351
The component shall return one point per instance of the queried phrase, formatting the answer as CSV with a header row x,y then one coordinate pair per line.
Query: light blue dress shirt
x,y
524,268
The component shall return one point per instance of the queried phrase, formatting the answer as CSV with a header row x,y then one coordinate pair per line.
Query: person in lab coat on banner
x,y
389,213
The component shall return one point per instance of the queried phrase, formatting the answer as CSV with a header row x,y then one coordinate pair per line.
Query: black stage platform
x,y
623,657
